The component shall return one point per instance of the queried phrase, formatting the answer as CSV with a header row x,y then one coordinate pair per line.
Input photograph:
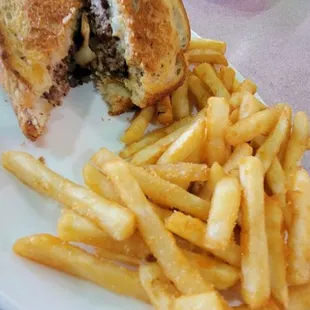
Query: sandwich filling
x,y
110,59
95,53
60,86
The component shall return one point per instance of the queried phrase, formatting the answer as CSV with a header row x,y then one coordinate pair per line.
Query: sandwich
x,y
133,51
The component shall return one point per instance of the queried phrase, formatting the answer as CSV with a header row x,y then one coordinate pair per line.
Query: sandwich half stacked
x,y
133,50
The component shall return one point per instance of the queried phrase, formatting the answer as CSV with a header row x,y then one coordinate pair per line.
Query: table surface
x,y
268,41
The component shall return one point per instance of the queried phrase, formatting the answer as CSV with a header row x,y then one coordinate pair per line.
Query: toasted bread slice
x,y
154,35
35,37
116,95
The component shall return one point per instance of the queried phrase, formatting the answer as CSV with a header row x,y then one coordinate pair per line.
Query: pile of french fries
x,y
210,200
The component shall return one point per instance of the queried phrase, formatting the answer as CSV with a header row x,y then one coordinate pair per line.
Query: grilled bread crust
x,y
35,36
154,34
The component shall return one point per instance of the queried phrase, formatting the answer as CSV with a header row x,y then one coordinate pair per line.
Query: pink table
x,y
268,41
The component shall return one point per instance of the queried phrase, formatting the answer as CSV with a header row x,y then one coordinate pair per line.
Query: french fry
x,y
179,101
199,90
240,151
98,183
164,111
194,230
159,289
255,283
234,116
218,46
269,149
248,128
235,85
177,124
248,85
192,105
135,147
270,306
216,173
223,213
237,98
218,122
158,239
296,146
227,76
210,300
275,179
299,297
249,106
52,252
221,275
206,55
109,216
170,195
258,141
196,156
153,136
158,190
276,249
234,173
299,234
184,244
182,147
196,187
117,257
206,73
162,213
229,149
283,148
74,228
150,154
138,126
180,172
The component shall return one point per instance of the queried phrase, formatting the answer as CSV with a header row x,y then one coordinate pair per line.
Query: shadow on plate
x,y
66,122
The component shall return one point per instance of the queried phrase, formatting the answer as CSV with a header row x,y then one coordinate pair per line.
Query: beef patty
x,y
109,62
60,86
110,59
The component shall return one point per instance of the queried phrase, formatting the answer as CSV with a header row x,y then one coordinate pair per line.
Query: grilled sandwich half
x,y
133,50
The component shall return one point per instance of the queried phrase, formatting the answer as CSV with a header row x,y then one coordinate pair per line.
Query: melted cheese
x,y
85,55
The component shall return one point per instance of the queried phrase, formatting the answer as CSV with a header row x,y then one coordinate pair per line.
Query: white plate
x,y
75,131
